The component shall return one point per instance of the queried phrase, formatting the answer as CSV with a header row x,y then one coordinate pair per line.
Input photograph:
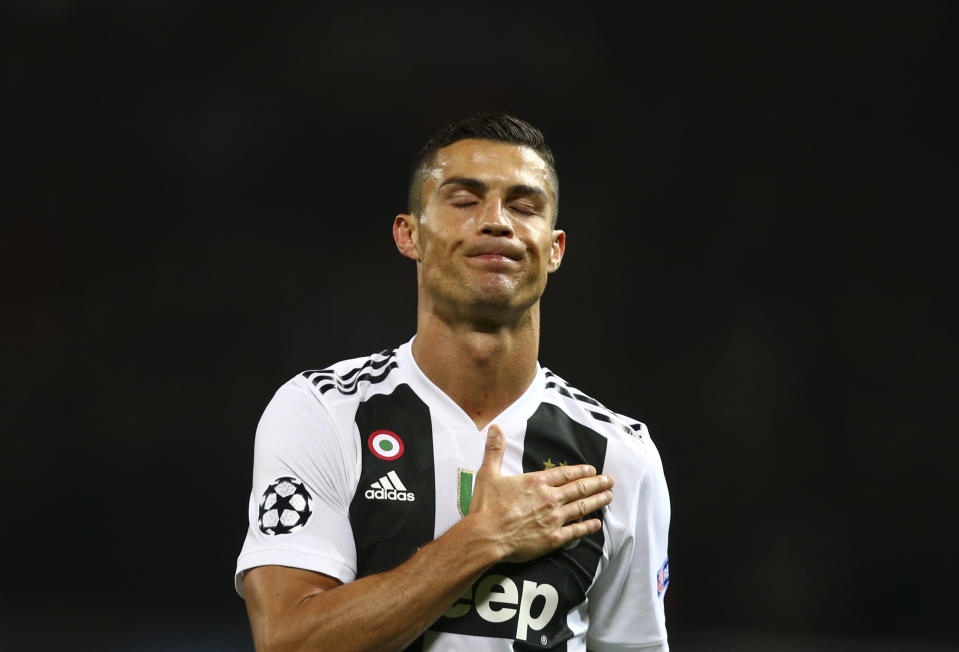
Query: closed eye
x,y
523,210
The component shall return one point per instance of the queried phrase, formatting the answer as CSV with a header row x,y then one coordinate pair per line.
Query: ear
x,y
405,236
558,249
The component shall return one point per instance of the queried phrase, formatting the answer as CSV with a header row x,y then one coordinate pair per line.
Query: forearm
x,y
388,610
511,518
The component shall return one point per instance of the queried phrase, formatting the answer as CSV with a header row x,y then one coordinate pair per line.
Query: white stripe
x,y
396,480
376,485
385,481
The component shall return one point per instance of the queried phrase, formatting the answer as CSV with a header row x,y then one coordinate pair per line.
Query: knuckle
x,y
583,488
550,499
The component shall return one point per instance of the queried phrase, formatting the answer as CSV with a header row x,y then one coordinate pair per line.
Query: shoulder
x,y
318,400
630,458
619,429
350,380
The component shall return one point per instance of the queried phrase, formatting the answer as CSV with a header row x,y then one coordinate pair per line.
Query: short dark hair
x,y
497,127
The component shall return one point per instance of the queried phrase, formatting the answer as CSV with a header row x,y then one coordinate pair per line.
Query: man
x,y
452,493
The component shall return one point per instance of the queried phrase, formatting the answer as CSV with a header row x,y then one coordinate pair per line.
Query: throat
x,y
482,373
483,416
485,392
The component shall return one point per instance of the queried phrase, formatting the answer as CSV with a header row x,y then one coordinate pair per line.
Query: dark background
x,y
760,209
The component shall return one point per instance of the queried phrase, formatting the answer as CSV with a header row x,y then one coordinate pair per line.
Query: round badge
x,y
386,445
285,508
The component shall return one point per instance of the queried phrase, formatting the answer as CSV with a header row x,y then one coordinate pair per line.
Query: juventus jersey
x,y
359,464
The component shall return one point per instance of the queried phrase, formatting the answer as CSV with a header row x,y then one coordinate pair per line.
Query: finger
x,y
578,509
585,487
560,475
495,449
579,530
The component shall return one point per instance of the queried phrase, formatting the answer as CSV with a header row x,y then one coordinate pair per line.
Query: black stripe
x,y
321,377
575,395
571,394
370,363
611,417
310,372
601,416
559,388
387,532
553,437
634,428
345,382
347,390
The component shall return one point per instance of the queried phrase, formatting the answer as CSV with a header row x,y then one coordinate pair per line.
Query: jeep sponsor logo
x,y
498,599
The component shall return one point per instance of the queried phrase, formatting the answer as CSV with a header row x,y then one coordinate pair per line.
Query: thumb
x,y
495,449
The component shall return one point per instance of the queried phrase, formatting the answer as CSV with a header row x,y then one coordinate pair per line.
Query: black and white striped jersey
x,y
359,464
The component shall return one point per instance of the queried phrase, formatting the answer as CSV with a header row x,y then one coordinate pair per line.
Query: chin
x,y
501,306
495,293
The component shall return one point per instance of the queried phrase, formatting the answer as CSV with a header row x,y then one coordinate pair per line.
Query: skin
x,y
484,246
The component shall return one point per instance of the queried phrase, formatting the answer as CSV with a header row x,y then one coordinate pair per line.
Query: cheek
x,y
431,243
441,233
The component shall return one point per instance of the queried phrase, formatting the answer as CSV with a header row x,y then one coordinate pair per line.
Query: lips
x,y
495,251
495,258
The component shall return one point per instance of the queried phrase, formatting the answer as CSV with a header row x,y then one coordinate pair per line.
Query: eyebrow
x,y
480,187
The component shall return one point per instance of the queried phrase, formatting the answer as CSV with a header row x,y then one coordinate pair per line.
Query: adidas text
x,y
390,487
390,494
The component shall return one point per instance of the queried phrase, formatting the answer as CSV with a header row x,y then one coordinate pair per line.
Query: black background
x,y
759,206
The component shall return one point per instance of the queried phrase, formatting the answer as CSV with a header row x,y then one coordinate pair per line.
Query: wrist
x,y
481,540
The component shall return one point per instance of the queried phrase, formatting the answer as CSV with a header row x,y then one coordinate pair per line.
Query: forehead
x,y
495,164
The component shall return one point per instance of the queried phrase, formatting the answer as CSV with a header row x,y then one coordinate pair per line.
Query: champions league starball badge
x,y
285,508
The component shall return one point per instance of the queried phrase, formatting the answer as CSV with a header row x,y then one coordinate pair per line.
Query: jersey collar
x,y
444,410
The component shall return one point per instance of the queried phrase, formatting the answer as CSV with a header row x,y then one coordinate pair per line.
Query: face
x,y
485,241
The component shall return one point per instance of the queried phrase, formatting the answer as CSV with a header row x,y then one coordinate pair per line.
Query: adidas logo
x,y
390,487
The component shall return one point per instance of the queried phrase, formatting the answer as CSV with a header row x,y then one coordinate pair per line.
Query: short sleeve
x,y
303,482
626,602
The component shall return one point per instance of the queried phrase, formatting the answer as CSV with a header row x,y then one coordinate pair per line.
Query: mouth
x,y
496,253
495,261
494,258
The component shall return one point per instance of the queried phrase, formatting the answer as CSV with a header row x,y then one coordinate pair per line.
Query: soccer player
x,y
452,493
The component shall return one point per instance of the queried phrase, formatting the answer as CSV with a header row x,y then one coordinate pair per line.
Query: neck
x,y
484,370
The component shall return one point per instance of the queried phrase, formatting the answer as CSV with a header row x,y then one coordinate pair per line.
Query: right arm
x,y
511,518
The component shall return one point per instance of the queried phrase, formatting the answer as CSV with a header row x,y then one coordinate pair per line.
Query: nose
x,y
495,221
